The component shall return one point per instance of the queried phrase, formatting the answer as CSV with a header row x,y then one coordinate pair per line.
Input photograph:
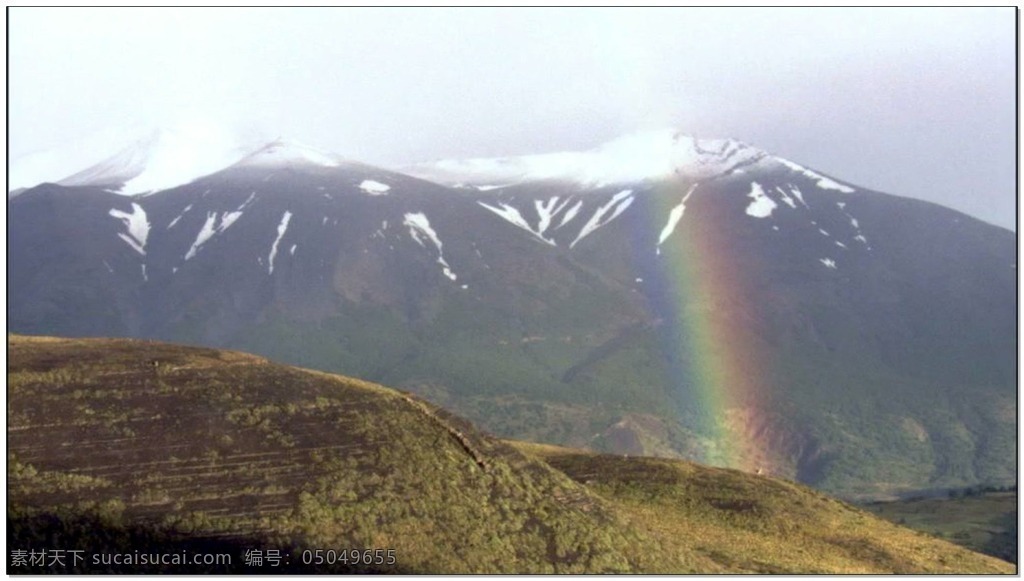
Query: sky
x,y
916,102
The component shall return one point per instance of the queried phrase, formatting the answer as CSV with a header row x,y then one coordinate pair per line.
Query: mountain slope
x,y
983,521
720,304
122,445
229,447
743,522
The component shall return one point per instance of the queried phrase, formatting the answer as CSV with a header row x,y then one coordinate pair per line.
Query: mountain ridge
x,y
633,157
762,318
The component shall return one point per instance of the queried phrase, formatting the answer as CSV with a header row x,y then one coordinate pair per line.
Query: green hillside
x,y
981,521
118,446
752,524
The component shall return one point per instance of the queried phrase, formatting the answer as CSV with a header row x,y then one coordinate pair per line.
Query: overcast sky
x,y
917,102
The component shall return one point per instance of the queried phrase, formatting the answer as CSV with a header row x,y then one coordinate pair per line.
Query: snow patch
x,y
211,226
619,202
674,216
570,214
205,233
419,228
856,227
374,188
828,262
796,192
137,225
281,229
228,219
292,251
546,212
761,206
822,181
512,215
183,212
785,197
823,233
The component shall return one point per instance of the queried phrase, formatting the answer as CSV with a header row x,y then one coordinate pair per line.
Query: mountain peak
x,y
119,169
633,157
664,152
164,158
167,158
286,152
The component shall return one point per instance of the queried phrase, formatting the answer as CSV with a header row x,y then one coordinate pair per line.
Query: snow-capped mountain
x,y
158,160
285,153
591,298
638,157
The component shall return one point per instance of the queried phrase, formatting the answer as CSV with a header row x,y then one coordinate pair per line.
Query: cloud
x,y
832,88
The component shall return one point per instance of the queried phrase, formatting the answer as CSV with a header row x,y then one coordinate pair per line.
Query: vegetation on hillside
x,y
982,520
753,524
125,445
844,422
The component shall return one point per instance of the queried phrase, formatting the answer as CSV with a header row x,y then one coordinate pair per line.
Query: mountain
x,y
157,159
125,450
631,158
658,295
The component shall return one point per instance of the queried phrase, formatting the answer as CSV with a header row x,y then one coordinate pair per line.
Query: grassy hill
x,y
982,521
128,447
748,523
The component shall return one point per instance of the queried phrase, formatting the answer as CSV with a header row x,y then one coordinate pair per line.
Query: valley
x,y
983,521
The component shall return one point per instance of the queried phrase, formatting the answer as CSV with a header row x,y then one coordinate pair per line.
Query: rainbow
x,y
715,359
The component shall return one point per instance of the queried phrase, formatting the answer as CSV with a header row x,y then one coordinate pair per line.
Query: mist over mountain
x,y
660,294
